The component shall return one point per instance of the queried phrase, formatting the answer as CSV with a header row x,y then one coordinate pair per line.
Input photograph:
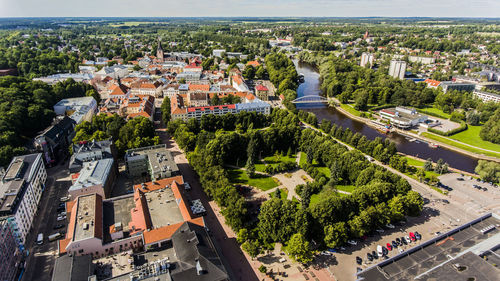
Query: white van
x,y
39,239
54,236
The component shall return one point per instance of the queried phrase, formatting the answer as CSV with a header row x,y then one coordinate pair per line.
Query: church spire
x,y
159,50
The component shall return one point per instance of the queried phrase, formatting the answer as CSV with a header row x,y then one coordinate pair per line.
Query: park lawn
x,y
346,188
415,162
260,167
283,193
471,136
459,145
324,170
350,109
271,160
260,181
435,111
316,198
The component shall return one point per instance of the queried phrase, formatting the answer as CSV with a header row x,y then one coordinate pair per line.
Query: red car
x,y
412,236
389,246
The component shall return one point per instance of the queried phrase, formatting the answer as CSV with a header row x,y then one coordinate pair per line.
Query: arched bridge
x,y
310,99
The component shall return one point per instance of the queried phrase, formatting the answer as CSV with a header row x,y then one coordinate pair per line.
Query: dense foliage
x,y
491,129
26,108
137,132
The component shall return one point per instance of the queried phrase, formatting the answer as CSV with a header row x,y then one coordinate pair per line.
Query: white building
x,y
367,60
61,77
116,71
78,109
397,69
486,97
403,117
20,192
94,177
218,53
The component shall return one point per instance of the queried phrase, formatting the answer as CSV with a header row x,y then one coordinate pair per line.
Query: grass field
x,y
459,145
259,181
315,198
272,160
471,136
436,112
350,109
415,162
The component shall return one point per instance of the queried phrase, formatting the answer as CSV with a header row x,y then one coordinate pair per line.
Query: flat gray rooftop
x,y
427,257
85,217
115,211
163,207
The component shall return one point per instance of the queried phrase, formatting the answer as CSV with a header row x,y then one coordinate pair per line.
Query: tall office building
x,y
397,69
367,60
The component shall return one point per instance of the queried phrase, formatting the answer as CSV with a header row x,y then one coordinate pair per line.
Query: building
x,y
55,140
86,151
452,86
367,60
10,250
239,83
73,268
155,160
95,177
78,109
99,227
146,88
135,106
432,83
116,71
20,192
402,117
196,99
486,96
159,51
468,252
218,53
397,69
61,77
262,92
256,106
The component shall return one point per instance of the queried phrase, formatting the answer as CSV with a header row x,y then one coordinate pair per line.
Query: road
x,y
40,262
235,261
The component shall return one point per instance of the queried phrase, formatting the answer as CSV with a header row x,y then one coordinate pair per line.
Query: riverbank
x,y
369,123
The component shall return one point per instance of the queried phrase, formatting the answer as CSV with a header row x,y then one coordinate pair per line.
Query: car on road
x,y
369,256
389,246
58,226
352,242
389,226
359,260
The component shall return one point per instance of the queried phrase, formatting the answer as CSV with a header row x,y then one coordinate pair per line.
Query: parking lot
x,y
438,215
484,198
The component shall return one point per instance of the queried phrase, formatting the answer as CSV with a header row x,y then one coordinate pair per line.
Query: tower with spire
x,y
159,51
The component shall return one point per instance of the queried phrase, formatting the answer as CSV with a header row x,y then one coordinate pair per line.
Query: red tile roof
x,y
261,88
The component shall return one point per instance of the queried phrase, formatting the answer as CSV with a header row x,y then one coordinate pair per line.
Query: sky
x,y
249,8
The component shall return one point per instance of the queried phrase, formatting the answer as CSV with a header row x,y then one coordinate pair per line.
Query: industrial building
x,y
78,109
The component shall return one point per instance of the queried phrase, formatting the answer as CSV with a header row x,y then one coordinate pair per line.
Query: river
x,y
414,148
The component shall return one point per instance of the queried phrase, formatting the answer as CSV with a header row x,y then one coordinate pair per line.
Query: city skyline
x,y
258,8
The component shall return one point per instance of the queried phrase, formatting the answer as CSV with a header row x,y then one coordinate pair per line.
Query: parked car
x,y
380,252
326,253
485,189
359,260
394,244
61,218
389,226
389,246
384,251
403,241
62,214
399,241
57,226
407,238
352,242
460,179
369,256
64,199
374,255
417,235
380,230
412,236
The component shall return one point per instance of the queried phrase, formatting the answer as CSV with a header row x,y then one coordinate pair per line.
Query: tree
x,y
242,236
166,110
93,93
250,168
414,203
428,164
420,174
488,171
491,129
298,249
262,268
252,247
336,235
